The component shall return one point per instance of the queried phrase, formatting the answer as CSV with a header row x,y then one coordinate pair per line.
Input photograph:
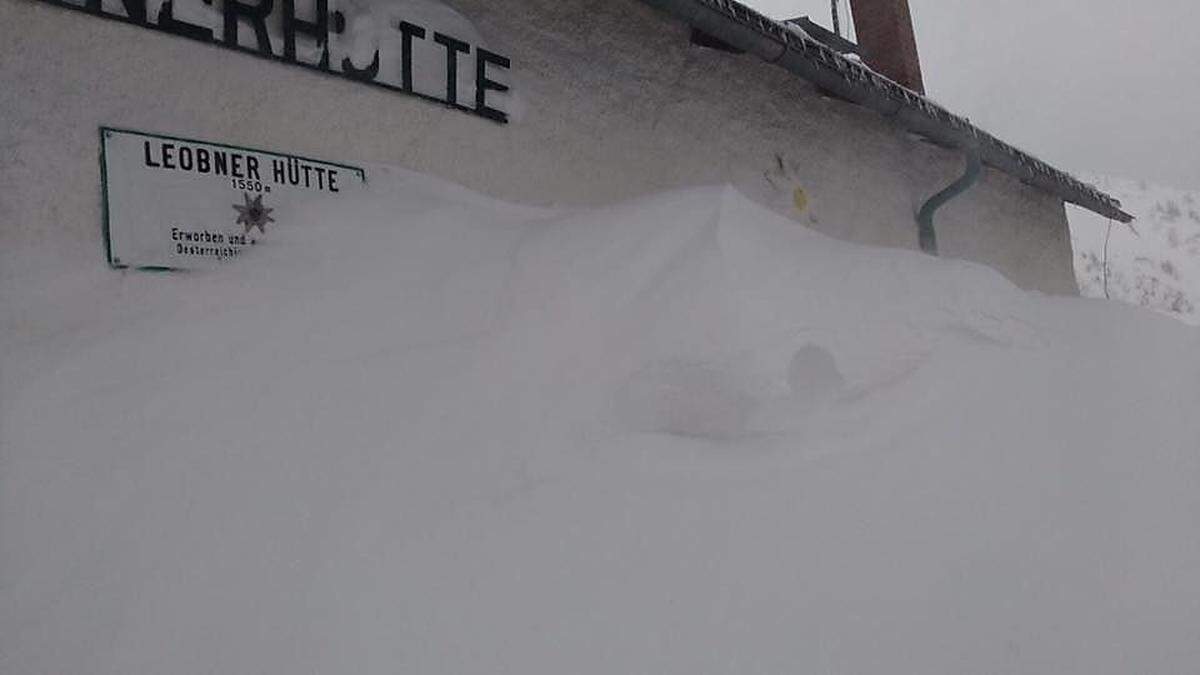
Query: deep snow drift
x,y
682,435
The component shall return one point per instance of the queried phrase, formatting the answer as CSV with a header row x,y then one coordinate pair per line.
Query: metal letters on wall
x,y
318,38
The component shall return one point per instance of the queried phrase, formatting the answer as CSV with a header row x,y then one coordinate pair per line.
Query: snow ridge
x,y
437,433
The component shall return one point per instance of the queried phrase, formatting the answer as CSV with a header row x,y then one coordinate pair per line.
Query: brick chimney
x,y
885,33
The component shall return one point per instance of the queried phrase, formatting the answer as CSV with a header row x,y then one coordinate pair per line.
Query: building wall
x,y
612,101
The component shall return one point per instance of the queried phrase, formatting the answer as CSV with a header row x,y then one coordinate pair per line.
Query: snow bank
x,y
1156,262
443,434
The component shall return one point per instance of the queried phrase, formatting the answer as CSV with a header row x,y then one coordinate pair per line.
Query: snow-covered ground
x,y
441,434
1156,262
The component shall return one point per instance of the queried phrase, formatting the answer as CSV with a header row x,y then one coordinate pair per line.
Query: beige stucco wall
x,y
613,102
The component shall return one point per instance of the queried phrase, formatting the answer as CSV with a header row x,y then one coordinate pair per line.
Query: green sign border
x,y
107,131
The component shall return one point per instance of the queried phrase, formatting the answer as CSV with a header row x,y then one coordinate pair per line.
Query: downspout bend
x,y
926,234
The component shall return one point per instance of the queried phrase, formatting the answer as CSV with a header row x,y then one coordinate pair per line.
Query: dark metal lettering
x,y
316,29
256,14
134,9
319,30
483,84
407,32
361,74
453,47
167,22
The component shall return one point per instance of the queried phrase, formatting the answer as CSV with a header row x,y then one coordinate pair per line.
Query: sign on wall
x,y
418,47
174,203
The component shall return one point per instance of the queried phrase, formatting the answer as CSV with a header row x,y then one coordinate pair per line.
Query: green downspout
x,y
927,235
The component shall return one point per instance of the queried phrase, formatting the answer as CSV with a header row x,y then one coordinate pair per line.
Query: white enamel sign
x,y
173,203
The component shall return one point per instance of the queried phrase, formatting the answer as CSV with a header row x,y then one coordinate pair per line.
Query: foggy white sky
x,y
1104,86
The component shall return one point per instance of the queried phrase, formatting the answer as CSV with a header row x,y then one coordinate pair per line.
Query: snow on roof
x,y
819,63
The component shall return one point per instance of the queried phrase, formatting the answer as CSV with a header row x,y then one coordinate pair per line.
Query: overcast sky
x,y
1103,86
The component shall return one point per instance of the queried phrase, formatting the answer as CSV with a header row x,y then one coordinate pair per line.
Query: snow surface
x,y
442,434
1156,262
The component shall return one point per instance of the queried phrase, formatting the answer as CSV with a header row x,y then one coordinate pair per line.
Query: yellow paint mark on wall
x,y
800,199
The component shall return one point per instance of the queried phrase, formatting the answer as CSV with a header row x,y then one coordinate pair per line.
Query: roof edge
x,y
773,41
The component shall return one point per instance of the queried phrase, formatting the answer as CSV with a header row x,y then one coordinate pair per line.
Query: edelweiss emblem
x,y
253,214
